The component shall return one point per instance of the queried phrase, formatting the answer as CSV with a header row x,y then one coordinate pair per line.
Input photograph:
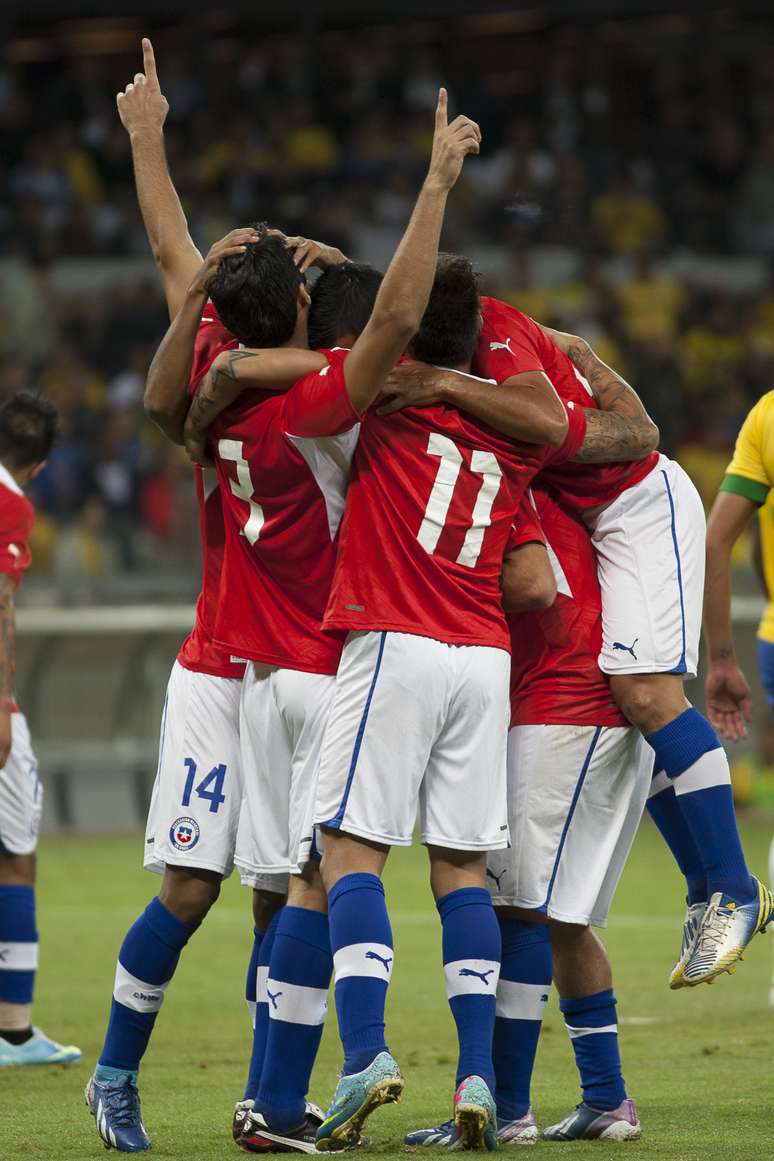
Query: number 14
x,y
482,463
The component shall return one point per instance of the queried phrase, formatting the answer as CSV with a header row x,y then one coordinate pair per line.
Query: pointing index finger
x,y
149,62
441,112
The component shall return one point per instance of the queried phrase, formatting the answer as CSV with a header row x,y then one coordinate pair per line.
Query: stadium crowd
x,y
592,162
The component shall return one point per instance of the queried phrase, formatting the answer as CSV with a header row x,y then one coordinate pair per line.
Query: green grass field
x,y
699,1063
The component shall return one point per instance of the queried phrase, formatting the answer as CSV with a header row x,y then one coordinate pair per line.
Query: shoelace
x,y
715,931
123,1105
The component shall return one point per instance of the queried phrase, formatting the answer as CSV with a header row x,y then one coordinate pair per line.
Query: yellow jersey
x,y
751,474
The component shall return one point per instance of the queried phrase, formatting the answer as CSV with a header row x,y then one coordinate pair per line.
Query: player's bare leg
x,y
689,751
294,994
20,1043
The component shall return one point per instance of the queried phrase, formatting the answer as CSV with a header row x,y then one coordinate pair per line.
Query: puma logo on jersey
x,y
506,346
14,550
273,996
385,961
618,647
483,976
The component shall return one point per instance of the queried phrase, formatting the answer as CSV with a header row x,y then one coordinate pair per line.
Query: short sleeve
x,y
319,404
211,338
576,433
746,474
526,528
17,517
509,343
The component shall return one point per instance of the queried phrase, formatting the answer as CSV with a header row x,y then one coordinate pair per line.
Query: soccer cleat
x,y
587,1124
356,1097
520,1132
725,931
258,1137
475,1116
691,925
39,1049
116,1109
241,1109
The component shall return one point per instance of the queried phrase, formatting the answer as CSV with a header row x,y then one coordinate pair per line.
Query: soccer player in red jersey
x,y
647,525
578,776
28,426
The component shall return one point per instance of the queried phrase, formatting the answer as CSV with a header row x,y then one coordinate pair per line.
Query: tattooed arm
x,y
612,438
233,372
7,662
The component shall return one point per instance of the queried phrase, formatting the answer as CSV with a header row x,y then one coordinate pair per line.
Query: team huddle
x,y
448,582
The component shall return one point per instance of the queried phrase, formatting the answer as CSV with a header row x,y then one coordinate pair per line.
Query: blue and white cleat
x,y
725,931
475,1116
520,1132
691,925
356,1097
116,1109
39,1049
587,1124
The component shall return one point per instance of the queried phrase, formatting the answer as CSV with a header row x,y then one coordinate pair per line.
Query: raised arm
x,y
143,108
166,388
7,657
729,701
405,291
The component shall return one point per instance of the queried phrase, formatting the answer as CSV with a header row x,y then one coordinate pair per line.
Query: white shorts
x,y
575,798
417,724
650,546
197,795
282,722
21,794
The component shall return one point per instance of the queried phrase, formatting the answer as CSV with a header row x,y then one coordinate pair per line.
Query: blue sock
x,y
251,979
361,941
593,1027
261,1026
146,964
522,995
690,753
471,965
665,811
18,944
299,975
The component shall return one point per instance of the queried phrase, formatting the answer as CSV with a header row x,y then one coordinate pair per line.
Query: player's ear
x,y
304,300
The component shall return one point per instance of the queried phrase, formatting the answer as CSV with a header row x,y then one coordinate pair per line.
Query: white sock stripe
x,y
18,957
710,770
261,976
136,994
364,959
517,1001
251,1006
659,782
296,1004
466,977
574,1033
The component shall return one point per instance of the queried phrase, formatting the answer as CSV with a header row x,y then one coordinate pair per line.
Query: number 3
x,y
437,510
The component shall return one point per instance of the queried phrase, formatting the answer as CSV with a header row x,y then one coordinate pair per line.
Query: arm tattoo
x,y
612,437
7,637
216,391
611,390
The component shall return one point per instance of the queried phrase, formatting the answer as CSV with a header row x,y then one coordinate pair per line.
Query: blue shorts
x,y
766,669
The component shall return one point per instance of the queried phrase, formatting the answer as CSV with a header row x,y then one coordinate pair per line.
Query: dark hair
x,y
342,300
448,333
256,293
29,424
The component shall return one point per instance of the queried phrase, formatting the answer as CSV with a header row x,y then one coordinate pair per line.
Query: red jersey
x,y
198,651
510,344
283,496
555,677
428,513
17,518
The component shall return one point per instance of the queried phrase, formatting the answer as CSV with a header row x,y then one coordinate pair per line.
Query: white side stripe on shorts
x,y
574,1033
136,994
18,957
516,1001
465,977
364,959
296,1004
708,771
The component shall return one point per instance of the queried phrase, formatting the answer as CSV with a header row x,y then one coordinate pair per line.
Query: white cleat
x,y
691,925
725,931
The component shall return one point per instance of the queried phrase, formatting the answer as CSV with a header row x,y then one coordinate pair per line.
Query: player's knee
x,y
648,700
569,934
307,890
17,870
266,904
453,870
189,894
